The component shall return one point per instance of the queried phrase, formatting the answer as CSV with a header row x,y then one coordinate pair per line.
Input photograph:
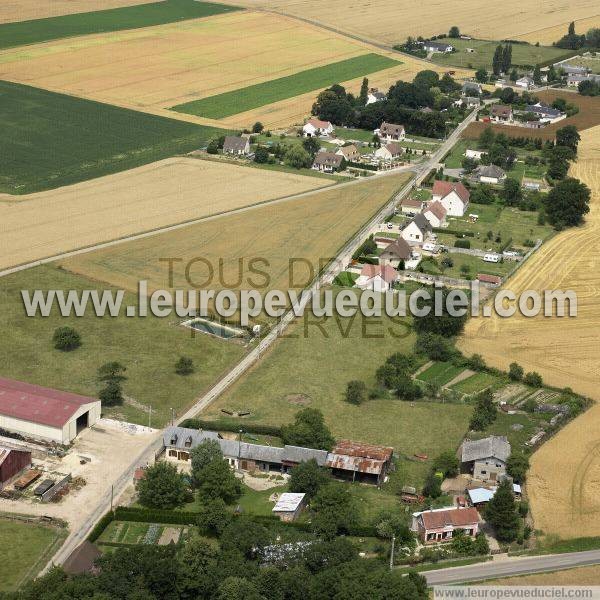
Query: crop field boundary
x,y
268,92
103,21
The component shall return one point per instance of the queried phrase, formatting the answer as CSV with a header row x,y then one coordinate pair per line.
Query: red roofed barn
x,y
43,413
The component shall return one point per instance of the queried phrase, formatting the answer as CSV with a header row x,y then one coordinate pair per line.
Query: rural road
x,y
329,273
512,566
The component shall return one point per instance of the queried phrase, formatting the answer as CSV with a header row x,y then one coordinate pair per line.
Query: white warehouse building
x,y
45,414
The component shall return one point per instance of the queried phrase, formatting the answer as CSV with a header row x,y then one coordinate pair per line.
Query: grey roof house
x,y
485,459
236,145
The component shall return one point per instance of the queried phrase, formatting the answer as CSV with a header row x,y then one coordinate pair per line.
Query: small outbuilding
x,y
289,506
358,461
12,462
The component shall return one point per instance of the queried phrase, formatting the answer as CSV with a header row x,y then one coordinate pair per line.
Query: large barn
x,y
43,413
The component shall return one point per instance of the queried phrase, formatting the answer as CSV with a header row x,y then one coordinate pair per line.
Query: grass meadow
x,y
102,21
50,140
268,92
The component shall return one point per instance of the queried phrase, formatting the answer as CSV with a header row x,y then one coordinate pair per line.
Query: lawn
x,y
522,54
148,347
50,140
478,382
311,366
440,373
268,92
26,549
346,279
101,21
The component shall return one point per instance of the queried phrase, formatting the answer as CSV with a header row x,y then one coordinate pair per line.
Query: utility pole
x,y
392,552
149,417
112,493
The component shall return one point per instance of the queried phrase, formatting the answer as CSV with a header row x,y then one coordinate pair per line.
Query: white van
x,y
429,247
494,258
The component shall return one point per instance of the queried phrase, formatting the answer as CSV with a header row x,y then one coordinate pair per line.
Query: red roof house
x,y
439,525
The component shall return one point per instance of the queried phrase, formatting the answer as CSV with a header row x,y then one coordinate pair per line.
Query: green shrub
x,y
462,244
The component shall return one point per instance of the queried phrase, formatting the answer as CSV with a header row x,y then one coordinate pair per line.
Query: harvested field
x,y
310,228
155,195
393,22
550,35
578,576
113,19
50,140
588,116
26,10
563,486
156,68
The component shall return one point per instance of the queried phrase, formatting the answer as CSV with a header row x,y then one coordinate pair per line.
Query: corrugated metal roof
x,y
493,446
297,454
38,404
355,463
288,502
351,448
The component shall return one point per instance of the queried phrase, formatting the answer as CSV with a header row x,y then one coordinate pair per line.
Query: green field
x,y
49,140
101,21
478,382
27,547
311,366
522,54
261,94
440,373
147,346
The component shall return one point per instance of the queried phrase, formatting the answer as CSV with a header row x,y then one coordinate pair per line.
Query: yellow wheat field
x,y
155,195
392,22
564,481
155,68
578,576
25,10
554,33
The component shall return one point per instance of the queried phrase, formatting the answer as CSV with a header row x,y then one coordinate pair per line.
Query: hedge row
x,y
231,425
454,232
151,515
366,166
102,524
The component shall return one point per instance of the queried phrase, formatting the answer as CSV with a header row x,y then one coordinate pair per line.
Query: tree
x,y
213,516
481,75
261,155
162,487
364,92
533,379
571,41
111,394
312,145
567,203
217,480
486,138
511,192
497,60
485,411
433,345
333,105
308,430
501,513
356,392
197,568
517,466
66,339
515,371
568,136
469,165
514,75
297,157
426,79
588,88
444,324
202,455
408,389
238,588
245,536
184,366
454,32
529,405
111,371
433,486
507,58
213,147
335,509
552,75
257,127
447,463
308,478
537,75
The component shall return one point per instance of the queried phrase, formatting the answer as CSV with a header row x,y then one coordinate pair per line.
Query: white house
x,y
525,82
378,278
238,146
474,154
327,162
435,213
501,113
410,206
430,46
390,132
416,231
454,197
316,127
489,174
389,151
375,95
349,153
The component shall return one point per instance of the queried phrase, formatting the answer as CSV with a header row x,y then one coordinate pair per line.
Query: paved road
x,y
512,566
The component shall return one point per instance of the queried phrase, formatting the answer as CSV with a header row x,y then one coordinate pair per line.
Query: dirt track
x,y
162,193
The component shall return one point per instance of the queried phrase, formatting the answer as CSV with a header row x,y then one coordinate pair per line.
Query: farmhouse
x,y
474,154
410,206
396,251
316,127
437,47
389,151
43,413
327,162
575,80
501,113
439,525
546,113
375,95
453,196
378,278
349,153
12,462
435,213
489,174
485,459
572,69
179,441
289,506
390,132
416,231
470,101
238,146
525,82
471,87
362,462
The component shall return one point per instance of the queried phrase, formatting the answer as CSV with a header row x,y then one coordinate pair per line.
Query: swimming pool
x,y
217,329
